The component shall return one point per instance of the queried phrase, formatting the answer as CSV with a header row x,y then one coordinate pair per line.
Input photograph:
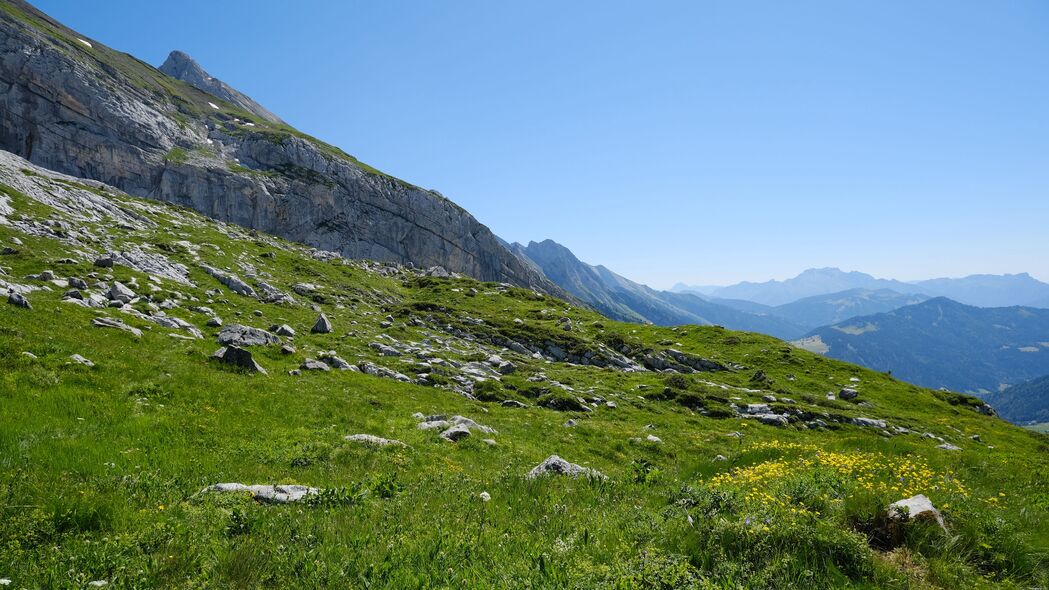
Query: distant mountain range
x,y
885,325
979,290
822,310
622,299
1026,403
943,343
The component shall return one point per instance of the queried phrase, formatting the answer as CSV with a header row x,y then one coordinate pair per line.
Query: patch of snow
x,y
85,42
213,105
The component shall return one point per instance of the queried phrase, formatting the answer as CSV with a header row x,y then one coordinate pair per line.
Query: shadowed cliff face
x,y
71,104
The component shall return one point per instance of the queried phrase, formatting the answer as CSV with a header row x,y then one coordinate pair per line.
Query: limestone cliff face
x,y
73,105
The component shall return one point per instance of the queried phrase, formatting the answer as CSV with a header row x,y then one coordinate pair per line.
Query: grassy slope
x,y
99,468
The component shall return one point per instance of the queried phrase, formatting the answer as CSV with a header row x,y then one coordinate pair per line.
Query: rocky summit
x,y
180,66
181,136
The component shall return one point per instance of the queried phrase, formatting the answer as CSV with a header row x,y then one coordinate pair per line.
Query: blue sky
x,y
704,142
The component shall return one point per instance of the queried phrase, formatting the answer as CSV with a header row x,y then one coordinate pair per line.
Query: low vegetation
x,y
102,467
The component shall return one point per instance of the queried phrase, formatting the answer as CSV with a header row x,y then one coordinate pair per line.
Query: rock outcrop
x,y
92,112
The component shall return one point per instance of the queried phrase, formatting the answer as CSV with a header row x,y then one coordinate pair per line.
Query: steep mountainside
x,y
823,310
412,431
622,299
943,343
1025,403
71,104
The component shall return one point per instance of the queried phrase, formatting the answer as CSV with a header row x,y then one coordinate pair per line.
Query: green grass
x,y
100,468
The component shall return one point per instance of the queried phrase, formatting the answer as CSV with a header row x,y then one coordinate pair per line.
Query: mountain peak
x,y
181,66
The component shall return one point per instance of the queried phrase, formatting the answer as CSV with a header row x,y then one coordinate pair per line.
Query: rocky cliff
x,y
73,105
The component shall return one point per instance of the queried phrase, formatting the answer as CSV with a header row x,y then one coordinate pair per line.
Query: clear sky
x,y
704,142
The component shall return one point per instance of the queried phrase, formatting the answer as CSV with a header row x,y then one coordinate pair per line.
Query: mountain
x,y
622,299
812,282
71,104
441,432
943,343
700,289
823,310
1024,403
990,290
979,290
182,67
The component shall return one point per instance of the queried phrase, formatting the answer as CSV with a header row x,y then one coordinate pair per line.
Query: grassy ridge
x,y
101,468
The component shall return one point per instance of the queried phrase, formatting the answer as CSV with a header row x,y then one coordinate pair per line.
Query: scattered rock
x,y
284,330
120,292
117,324
772,419
720,458
323,326
374,440
104,261
654,439
18,300
239,335
848,393
233,282
384,350
456,433
915,508
270,494
238,357
949,447
76,358
314,365
512,403
869,422
554,465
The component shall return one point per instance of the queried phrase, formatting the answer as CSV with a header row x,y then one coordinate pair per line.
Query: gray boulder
x,y
231,281
269,494
18,300
314,365
76,358
554,465
240,335
915,508
371,439
105,322
120,292
322,326
238,357
869,422
847,393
